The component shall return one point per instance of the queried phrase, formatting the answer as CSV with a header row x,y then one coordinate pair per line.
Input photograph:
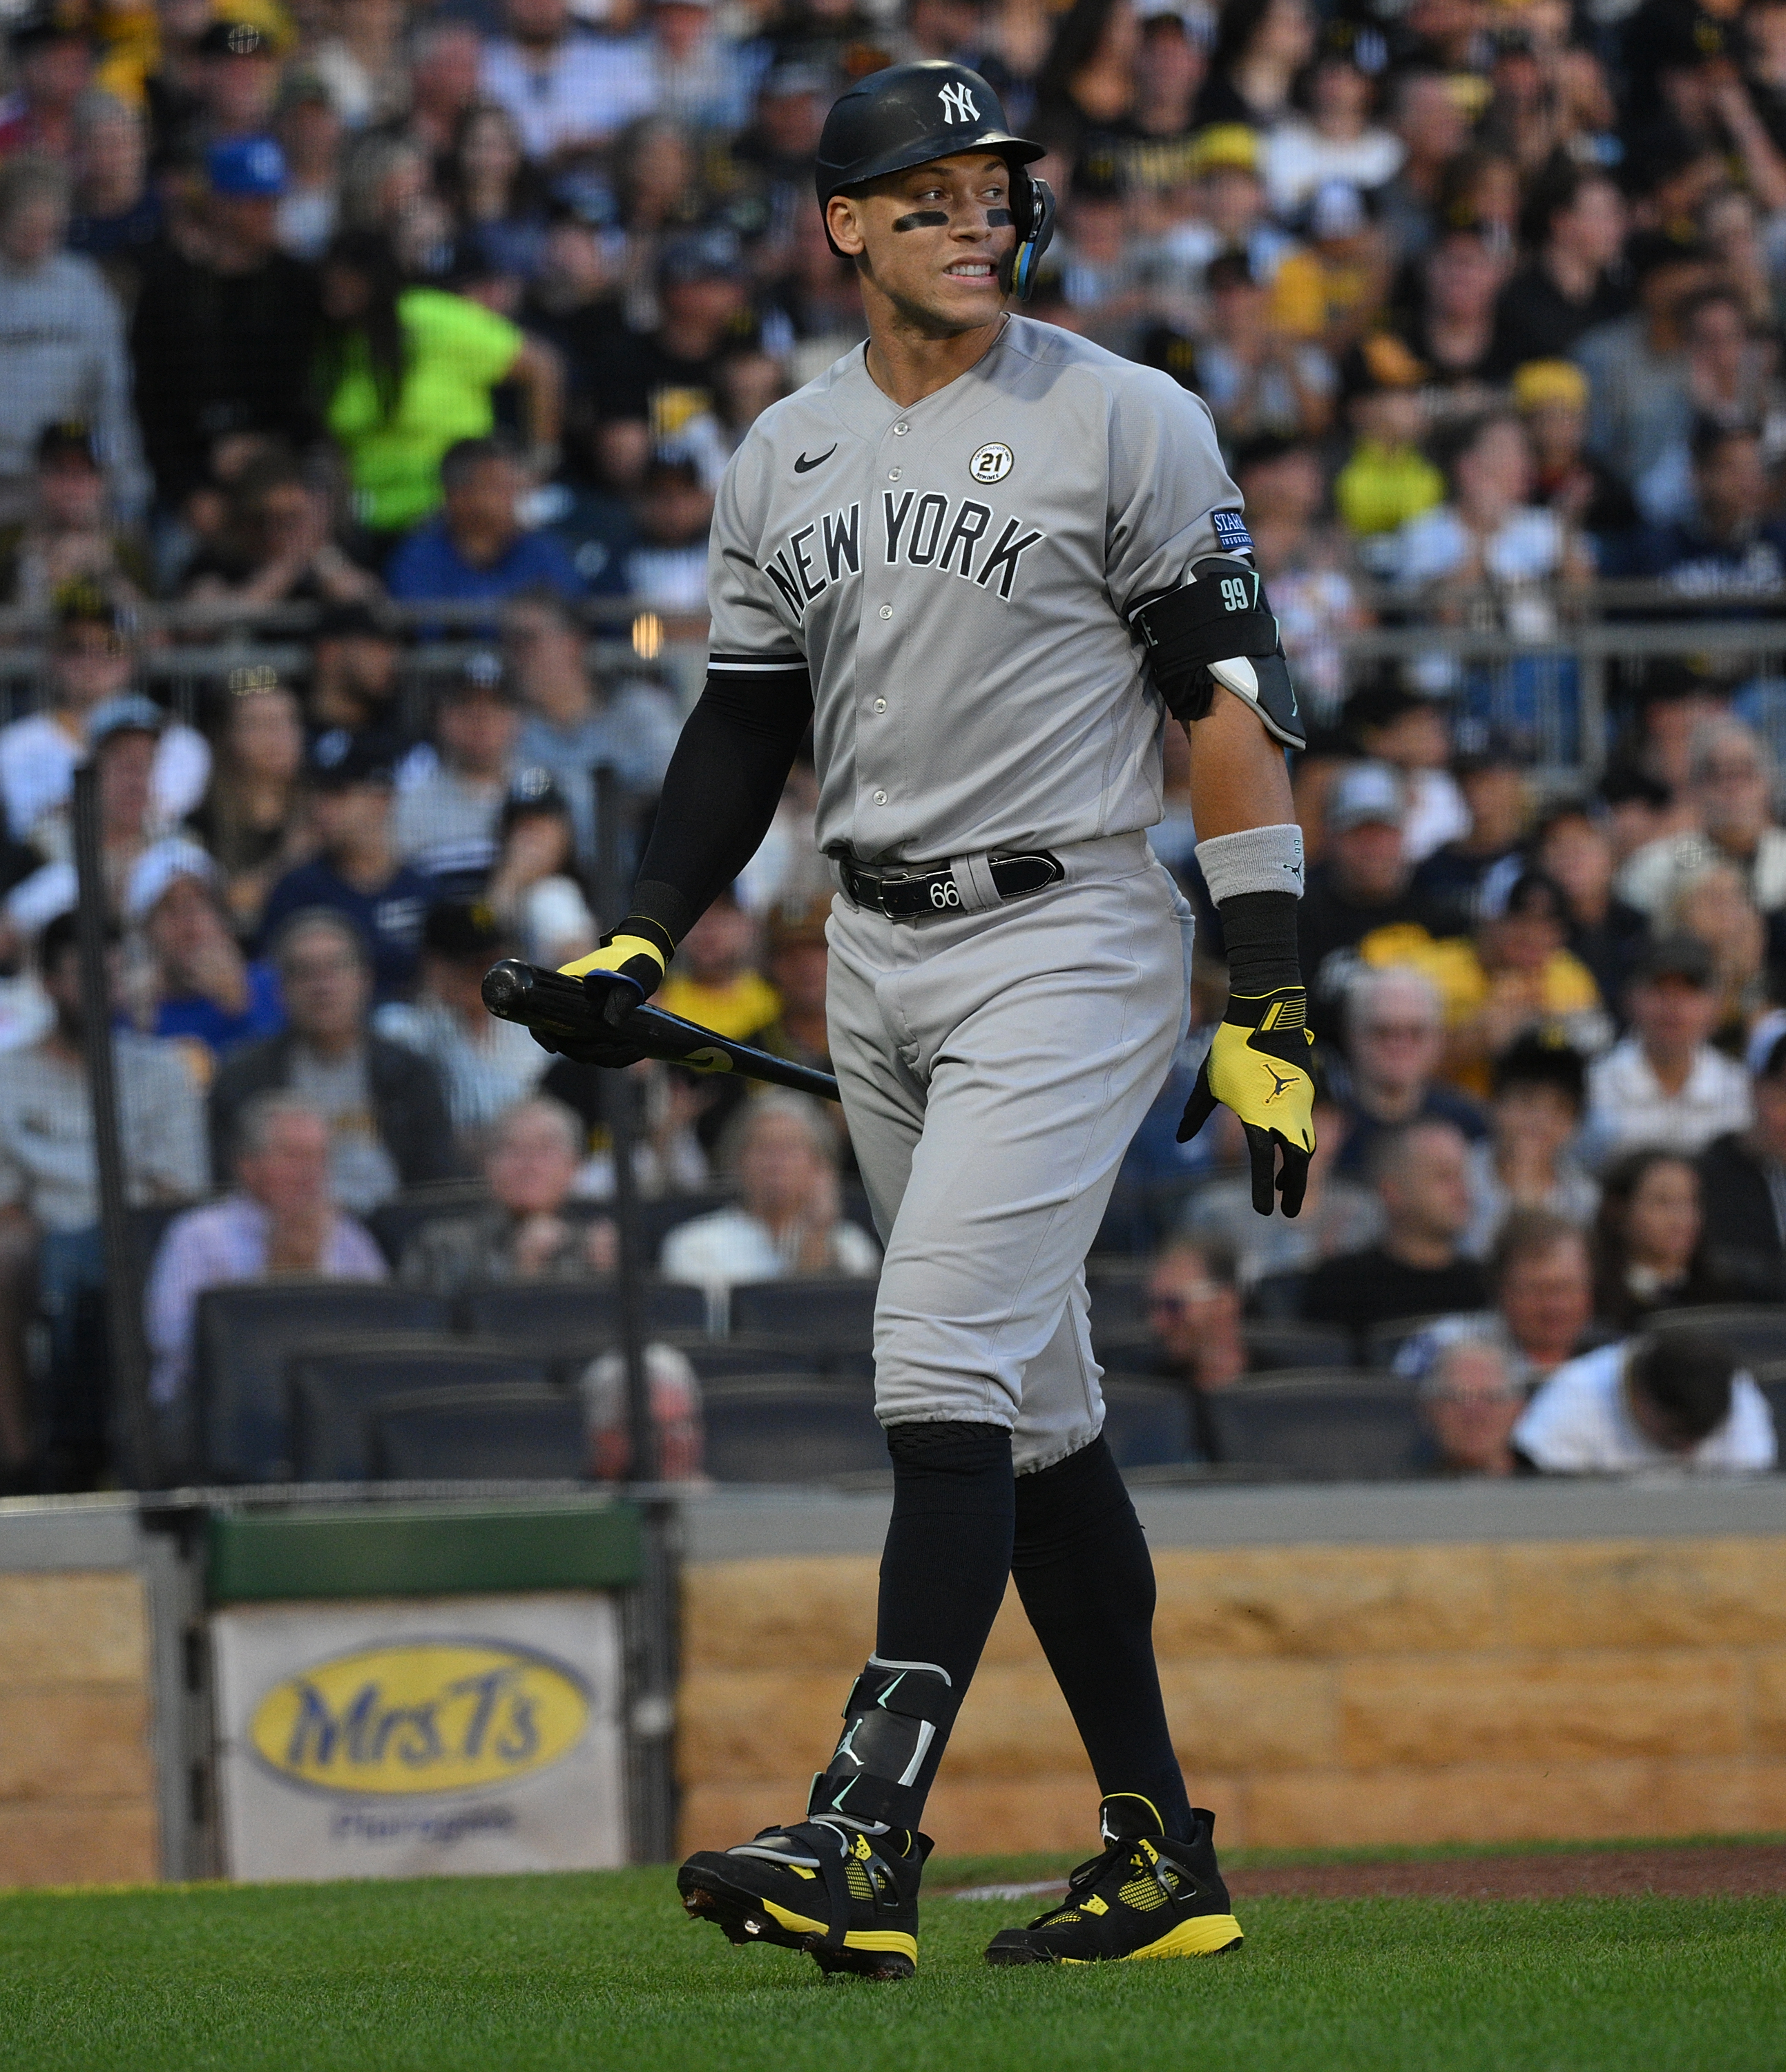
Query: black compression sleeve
x,y
721,792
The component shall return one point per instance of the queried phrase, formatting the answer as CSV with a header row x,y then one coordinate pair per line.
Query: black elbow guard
x,y
1219,627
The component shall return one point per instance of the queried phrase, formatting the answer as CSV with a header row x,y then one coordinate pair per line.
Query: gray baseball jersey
x,y
956,576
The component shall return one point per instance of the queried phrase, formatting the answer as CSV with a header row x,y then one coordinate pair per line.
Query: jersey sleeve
x,y
750,642
1171,500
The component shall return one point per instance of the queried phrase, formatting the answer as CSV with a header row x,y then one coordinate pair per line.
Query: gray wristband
x,y
1253,860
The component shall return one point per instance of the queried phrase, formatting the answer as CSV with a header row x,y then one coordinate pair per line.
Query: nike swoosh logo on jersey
x,y
802,466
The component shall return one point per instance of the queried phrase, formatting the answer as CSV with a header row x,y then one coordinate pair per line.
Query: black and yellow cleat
x,y
848,1898
1144,1897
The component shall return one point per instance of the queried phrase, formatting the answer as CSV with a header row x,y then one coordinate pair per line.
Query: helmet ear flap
x,y
1035,217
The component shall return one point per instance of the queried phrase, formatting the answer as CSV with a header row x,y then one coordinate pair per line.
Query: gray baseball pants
x,y
994,1061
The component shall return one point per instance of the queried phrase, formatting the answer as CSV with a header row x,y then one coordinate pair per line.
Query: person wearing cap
x,y
533,889
1336,139
68,538
485,1065
61,351
477,548
1636,365
1364,883
1387,479
355,873
1335,285
1490,787
567,91
1521,982
663,379
1551,398
1574,225
224,333
91,660
1254,376
446,816
356,658
205,993
51,1258
52,65
1664,1086
1411,735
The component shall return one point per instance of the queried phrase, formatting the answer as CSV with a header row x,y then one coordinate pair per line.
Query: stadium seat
x,y
396,1222
336,1390
1770,1378
1384,1341
519,1432
1147,1424
733,1359
243,1335
1272,1346
549,1316
1277,1298
1756,1332
1324,1424
832,1314
664,1213
791,1429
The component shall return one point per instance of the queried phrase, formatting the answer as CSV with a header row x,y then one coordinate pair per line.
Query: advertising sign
x,y
411,1737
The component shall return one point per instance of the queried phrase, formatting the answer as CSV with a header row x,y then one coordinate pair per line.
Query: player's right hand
x,y
638,964
1258,1066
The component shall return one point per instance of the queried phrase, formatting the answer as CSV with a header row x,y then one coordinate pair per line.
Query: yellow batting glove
x,y
628,956
1258,1066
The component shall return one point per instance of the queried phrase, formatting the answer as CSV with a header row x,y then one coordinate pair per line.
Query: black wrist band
x,y
1261,930
649,931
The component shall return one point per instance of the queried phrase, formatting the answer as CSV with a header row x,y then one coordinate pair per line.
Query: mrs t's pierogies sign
x,y
418,1736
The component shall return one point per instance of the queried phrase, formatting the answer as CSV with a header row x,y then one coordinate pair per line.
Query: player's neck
x,y
908,363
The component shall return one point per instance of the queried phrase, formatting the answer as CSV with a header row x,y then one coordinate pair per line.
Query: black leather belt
x,y
908,893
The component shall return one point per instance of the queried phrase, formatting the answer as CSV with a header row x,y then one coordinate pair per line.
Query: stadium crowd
x,y
359,312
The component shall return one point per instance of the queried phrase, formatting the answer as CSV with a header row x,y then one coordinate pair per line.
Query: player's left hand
x,y
1258,1066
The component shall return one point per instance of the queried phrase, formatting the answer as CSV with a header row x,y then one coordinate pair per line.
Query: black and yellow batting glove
x,y
1258,1066
630,954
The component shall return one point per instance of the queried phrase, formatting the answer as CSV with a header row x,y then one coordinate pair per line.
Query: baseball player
x,y
987,561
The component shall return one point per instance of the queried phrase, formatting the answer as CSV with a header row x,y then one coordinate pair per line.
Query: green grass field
x,y
505,1975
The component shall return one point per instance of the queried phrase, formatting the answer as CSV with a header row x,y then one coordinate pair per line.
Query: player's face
x,y
934,241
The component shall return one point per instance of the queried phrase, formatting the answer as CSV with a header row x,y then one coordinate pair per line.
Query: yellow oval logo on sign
x,y
429,1715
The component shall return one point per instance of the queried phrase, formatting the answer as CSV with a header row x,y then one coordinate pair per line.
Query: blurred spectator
x,y
787,1222
1417,1268
1714,908
1362,885
798,962
389,1125
670,1377
667,571
66,540
715,981
533,892
1663,1085
1194,1311
1333,288
406,375
1408,733
1635,365
355,873
236,84
1086,83
497,197
444,60
1528,1162
1523,983
661,381
485,1065
52,64
1337,1214
1254,376
1468,1403
524,1235
1386,480
1261,48
309,128
61,356
1574,225
1491,789
1743,1186
254,819
1336,140
478,546
356,684
275,547
1394,1031
1428,117
1453,329
567,90
225,324
1551,397
1573,848
51,1256
1732,381
1305,563
1731,547
92,661
278,1218
1676,1399
361,63
204,991
571,726
446,817
1647,1244
1542,1275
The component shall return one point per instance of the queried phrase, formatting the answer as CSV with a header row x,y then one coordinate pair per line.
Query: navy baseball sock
x,y
948,1552
1086,1577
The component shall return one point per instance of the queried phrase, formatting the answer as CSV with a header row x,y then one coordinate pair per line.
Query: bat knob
x,y
505,985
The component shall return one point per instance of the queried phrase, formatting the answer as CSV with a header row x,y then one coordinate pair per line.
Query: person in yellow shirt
x,y
1328,292
1388,479
715,981
1524,983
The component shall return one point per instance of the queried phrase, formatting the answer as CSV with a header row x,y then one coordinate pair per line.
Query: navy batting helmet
x,y
911,114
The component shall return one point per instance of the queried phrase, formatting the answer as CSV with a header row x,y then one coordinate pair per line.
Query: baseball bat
x,y
549,1002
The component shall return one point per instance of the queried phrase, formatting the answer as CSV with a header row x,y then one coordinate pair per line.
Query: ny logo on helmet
x,y
958,104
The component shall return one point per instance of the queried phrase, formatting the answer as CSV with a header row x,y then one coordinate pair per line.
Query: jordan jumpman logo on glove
x,y
1258,1066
